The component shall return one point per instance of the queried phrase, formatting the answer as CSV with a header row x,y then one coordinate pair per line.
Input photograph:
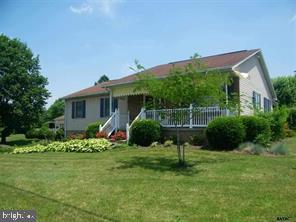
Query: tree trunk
x,y
5,133
178,145
3,138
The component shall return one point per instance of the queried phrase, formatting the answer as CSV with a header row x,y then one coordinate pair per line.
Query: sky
x,y
78,41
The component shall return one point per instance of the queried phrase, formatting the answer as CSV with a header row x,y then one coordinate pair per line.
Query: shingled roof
x,y
93,90
220,61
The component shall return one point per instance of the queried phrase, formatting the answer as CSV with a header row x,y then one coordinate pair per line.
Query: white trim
x,y
242,61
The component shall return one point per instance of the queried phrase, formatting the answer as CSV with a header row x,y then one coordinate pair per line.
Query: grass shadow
x,y
99,217
160,164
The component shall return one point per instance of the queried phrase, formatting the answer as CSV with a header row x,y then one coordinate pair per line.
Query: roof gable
x,y
226,60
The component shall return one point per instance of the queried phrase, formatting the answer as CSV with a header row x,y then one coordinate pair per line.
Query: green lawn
x,y
142,184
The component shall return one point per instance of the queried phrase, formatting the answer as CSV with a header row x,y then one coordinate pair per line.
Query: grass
x,y
144,184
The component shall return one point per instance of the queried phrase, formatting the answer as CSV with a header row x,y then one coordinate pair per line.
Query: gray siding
x,y
255,82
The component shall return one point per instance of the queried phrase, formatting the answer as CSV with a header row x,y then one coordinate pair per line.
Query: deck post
x,y
190,116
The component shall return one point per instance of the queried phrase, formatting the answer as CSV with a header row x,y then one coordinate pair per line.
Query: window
x,y
105,106
256,100
267,105
78,109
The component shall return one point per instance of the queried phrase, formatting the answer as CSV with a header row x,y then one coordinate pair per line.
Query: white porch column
x,y
110,103
226,93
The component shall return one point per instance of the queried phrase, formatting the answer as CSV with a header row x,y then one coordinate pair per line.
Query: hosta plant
x,y
76,145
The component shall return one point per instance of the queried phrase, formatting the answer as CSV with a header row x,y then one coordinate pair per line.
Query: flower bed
x,y
81,146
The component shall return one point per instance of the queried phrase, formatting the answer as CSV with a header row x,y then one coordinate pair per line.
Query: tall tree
x,y
55,110
285,88
103,78
182,87
22,88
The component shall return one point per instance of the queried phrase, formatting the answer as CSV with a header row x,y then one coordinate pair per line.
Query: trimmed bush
x,y
257,129
277,119
144,132
92,129
225,133
292,118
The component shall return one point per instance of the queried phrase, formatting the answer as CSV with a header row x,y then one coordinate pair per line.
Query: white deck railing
x,y
186,117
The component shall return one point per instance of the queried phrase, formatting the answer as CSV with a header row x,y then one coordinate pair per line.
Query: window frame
x,y
104,105
76,113
257,100
267,104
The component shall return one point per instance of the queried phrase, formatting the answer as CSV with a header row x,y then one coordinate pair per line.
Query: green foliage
x,y
225,133
22,88
55,110
184,86
279,149
40,133
251,148
285,88
198,139
168,143
277,119
81,146
292,118
257,129
144,132
92,129
103,78
262,139
59,134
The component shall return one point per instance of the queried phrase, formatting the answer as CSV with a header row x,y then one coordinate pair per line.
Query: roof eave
x,y
86,95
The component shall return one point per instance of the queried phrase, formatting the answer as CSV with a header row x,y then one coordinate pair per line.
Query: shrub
x,y
120,135
168,143
257,129
102,134
144,132
292,118
83,146
277,119
92,129
225,133
154,144
279,149
199,139
40,133
59,134
262,139
78,136
251,148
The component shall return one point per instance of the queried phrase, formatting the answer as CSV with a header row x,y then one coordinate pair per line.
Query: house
x,y
117,103
56,123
